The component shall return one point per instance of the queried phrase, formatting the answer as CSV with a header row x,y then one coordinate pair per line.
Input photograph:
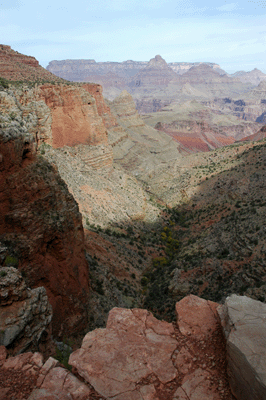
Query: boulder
x,y
134,346
196,316
244,324
25,314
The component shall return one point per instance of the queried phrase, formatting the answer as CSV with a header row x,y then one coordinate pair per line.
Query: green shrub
x,y
11,261
4,83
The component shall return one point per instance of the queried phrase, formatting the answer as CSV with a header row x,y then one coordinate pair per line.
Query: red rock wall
x,y
41,224
103,110
75,119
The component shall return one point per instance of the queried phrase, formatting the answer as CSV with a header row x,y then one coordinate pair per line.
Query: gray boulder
x,y
25,314
244,323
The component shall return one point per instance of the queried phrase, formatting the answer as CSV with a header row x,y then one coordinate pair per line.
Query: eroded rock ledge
x,y
137,357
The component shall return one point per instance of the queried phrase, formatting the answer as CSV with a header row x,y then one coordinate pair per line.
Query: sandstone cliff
x,y
41,225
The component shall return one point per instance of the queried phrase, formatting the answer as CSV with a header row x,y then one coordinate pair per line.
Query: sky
x,y
231,34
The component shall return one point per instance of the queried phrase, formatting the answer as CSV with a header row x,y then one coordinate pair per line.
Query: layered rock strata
x,y
15,66
85,70
63,115
156,72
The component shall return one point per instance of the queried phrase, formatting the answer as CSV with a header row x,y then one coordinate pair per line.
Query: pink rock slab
x,y
196,316
134,345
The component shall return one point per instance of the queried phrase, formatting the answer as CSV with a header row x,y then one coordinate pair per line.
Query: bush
x,y
4,83
11,261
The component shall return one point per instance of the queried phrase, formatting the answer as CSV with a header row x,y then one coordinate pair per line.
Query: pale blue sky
x,y
230,33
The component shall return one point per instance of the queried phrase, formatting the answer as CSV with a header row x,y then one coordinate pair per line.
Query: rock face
x,y
138,357
18,67
249,106
84,70
41,225
64,115
25,314
103,110
244,323
125,109
152,84
181,67
75,119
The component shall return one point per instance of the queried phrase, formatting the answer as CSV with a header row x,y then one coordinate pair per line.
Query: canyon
x,y
128,227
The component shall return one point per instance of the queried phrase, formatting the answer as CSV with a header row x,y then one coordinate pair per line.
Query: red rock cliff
x,y
42,227
103,110
63,115
75,119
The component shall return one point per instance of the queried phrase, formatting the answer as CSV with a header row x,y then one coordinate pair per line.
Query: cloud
x,y
228,7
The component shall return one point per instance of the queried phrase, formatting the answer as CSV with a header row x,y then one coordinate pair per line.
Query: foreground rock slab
x,y
138,357
133,346
244,323
26,377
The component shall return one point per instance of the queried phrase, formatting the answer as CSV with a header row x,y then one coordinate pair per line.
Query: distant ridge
x,y
255,76
83,70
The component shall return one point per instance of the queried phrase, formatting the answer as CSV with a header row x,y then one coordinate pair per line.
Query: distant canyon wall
x,y
80,70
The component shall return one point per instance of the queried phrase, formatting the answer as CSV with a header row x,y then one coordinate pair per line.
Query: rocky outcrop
x,y
138,357
75,119
27,377
120,367
244,323
125,109
103,110
63,115
41,226
15,66
25,314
